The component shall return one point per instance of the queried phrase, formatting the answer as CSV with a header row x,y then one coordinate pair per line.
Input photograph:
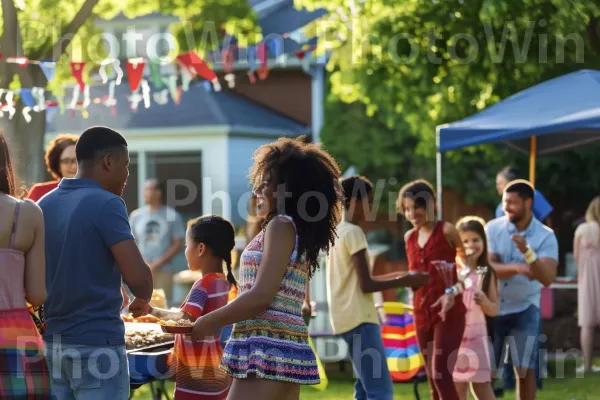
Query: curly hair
x,y
314,194
54,150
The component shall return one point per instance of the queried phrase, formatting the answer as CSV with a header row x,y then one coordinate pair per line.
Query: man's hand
x,y
520,242
139,307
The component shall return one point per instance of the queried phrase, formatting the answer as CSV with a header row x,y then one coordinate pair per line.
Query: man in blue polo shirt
x,y
524,255
90,251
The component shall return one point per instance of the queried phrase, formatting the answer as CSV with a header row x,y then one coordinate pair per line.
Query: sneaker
x,y
581,369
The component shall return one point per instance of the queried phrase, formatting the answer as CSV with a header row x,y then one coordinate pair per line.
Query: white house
x,y
204,144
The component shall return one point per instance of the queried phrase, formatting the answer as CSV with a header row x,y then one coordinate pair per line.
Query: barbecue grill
x,y
148,366
148,363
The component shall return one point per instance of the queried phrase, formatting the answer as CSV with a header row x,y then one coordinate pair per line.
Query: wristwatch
x,y
451,290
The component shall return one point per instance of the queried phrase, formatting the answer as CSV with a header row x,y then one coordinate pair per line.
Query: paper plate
x,y
186,330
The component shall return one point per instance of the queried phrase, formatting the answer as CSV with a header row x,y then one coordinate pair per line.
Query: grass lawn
x,y
341,387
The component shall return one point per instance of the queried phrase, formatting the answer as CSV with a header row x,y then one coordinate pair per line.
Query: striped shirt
x,y
198,373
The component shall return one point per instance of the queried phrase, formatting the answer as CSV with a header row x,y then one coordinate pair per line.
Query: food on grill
x,y
139,335
180,322
142,319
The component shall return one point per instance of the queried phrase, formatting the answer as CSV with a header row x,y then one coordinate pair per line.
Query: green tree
x,y
422,63
63,31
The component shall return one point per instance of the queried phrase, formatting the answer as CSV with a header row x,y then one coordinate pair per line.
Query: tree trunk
x,y
26,141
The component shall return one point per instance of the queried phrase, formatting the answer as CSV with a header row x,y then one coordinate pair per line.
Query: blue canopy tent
x,y
555,115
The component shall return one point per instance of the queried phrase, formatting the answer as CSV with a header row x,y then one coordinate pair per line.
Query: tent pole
x,y
532,156
438,174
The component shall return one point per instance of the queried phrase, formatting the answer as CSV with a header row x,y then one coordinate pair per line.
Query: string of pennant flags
x,y
188,65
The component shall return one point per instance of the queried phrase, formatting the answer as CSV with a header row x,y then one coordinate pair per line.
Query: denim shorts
x,y
519,333
88,372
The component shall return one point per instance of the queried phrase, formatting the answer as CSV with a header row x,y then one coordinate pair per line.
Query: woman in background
x,y
586,250
23,369
60,162
434,246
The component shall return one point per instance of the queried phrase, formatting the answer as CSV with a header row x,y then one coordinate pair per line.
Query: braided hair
x,y
218,234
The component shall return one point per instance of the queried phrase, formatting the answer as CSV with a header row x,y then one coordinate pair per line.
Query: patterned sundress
x,y
274,345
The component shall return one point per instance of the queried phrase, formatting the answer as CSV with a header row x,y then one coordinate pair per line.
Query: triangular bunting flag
x,y
135,72
251,77
40,99
186,78
263,73
196,65
27,97
171,84
48,68
251,54
77,71
155,76
228,58
261,51
298,36
22,61
275,46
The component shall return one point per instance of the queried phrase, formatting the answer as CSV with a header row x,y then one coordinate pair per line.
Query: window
x,y
181,173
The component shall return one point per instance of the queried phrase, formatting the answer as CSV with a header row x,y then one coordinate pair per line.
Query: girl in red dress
x,y
434,246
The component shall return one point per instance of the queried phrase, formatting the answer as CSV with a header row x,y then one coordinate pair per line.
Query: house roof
x,y
287,18
197,108
279,18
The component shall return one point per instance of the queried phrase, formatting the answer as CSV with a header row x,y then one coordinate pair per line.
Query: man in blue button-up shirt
x,y
524,254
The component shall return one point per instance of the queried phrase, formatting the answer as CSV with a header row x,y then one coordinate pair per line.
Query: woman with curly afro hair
x,y
299,196
60,162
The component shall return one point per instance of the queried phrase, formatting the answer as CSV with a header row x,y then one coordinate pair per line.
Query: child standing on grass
x,y
350,289
473,367
209,242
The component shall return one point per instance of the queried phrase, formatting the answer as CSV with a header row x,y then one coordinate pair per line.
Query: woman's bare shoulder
x,y
407,234
31,211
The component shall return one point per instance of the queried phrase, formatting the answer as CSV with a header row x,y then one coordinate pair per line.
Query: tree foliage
x,y
416,64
